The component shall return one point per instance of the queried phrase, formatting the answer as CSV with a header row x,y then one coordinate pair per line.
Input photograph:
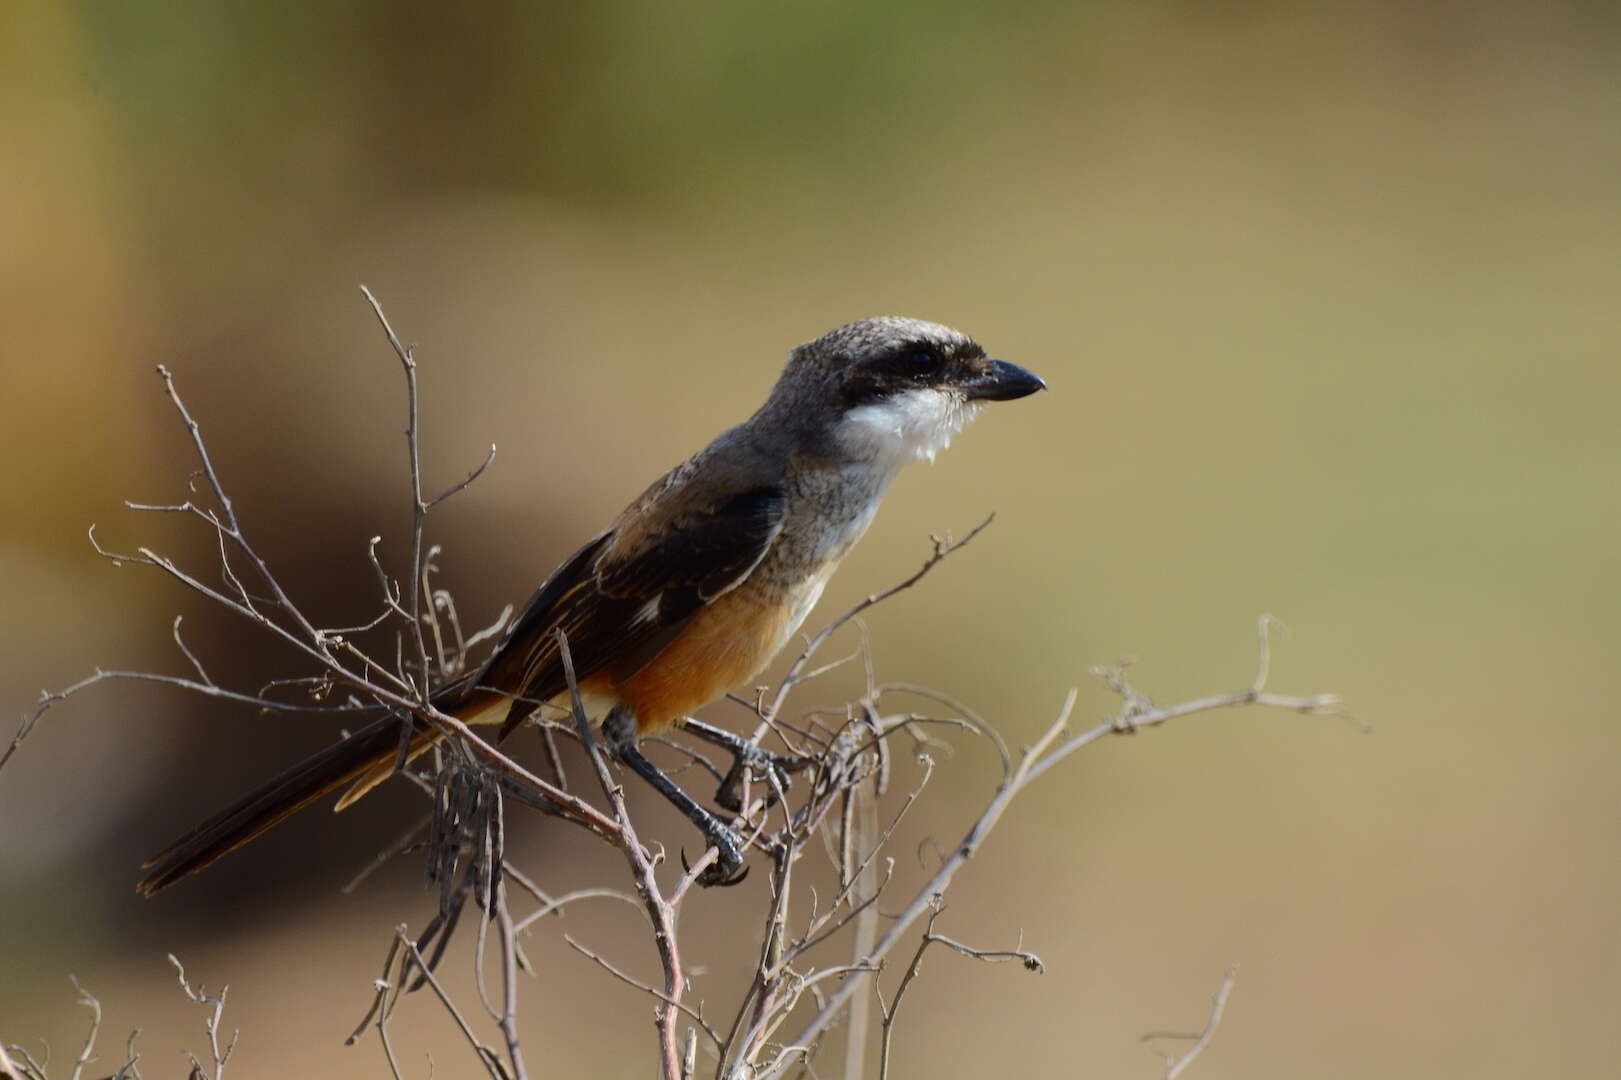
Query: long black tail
x,y
338,764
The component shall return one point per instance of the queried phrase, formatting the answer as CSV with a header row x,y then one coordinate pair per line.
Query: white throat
x,y
914,424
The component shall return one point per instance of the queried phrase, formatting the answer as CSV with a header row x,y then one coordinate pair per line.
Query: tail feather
x,y
380,769
367,756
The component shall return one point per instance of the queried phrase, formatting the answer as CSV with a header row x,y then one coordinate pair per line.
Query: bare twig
x,y
228,525
1175,1065
413,960
462,484
1030,961
509,985
943,546
1136,712
843,754
660,910
211,1024
857,835
419,508
569,806
381,986
407,840
676,1003
16,1063
554,906
30,1069
195,663
89,1001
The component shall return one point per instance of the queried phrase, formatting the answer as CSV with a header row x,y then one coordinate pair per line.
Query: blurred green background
x,y
1326,295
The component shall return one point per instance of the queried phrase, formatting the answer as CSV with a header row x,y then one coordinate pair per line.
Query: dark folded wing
x,y
619,609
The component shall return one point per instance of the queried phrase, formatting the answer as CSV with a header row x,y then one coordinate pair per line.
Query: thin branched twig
x,y
211,1024
1030,960
828,798
1177,1064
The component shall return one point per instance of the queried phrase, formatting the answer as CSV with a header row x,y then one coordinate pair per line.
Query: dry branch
x,y
840,809
1177,1064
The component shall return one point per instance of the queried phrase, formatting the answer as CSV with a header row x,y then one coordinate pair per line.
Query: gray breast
x,y
827,511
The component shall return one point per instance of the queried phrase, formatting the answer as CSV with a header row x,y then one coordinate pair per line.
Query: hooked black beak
x,y
1003,382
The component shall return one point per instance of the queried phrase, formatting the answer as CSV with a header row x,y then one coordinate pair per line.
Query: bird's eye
x,y
917,364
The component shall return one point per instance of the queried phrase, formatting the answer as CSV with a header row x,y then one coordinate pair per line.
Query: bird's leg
x,y
745,754
619,731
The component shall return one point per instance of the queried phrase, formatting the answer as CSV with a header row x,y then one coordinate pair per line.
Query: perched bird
x,y
699,582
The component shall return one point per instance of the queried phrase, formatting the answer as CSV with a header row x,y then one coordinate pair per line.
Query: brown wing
x,y
620,607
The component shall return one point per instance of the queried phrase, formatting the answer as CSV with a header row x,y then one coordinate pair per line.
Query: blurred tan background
x,y
1326,295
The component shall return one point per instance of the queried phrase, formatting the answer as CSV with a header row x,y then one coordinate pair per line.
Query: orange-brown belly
x,y
726,644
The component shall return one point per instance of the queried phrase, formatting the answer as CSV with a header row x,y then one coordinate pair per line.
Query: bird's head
x,y
894,389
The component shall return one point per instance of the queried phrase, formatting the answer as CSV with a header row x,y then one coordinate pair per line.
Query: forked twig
x,y
1136,712
943,546
1176,1064
211,1024
827,796
889,1011
660,910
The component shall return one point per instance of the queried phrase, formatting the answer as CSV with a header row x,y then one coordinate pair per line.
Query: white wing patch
x,y
914,424
648,612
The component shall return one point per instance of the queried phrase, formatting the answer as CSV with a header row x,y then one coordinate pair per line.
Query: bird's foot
x,y
728,867
777,769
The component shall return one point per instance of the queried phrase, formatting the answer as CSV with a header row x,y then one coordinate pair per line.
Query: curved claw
x,y
716,876
719,873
